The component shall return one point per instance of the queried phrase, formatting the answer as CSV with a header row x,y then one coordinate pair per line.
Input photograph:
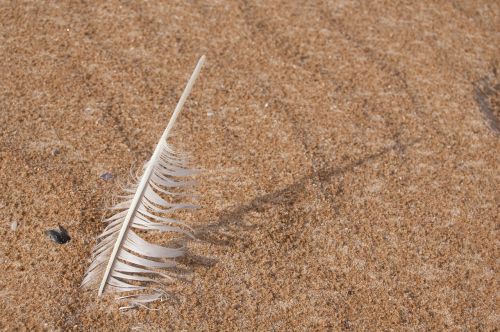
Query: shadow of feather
x,y
212,233
486,92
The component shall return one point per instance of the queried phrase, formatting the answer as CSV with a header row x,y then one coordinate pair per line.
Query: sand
x,y
350,154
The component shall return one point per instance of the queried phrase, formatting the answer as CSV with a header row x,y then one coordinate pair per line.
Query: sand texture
x,y
350,148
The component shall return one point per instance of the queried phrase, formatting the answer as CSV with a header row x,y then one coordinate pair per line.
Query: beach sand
x,y
350,154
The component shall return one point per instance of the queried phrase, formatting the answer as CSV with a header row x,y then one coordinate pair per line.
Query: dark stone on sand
x,y
59,236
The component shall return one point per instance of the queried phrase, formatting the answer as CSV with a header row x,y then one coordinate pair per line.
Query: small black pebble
x,y
56,152
60,236
106,176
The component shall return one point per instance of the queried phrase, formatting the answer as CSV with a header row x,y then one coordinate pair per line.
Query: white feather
x,y
124,262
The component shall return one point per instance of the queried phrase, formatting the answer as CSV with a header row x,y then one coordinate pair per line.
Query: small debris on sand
x,y
13,226
106,176
59,236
